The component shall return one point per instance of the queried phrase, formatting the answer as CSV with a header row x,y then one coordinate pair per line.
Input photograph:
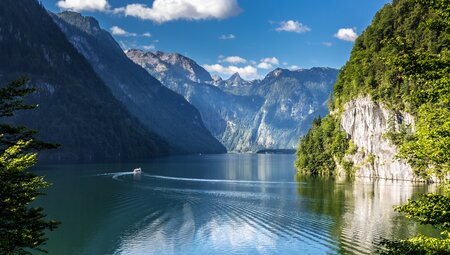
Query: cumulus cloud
x,y
234,60
115,30
84,5
272,60
346,34
227,37
167,10
247,72
264,65
147,34
292,26
267,63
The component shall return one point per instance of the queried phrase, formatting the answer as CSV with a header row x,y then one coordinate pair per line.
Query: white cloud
x,y
147,34
234,60
227,37
148,47
294,67
327,44
264,65
84,5
115,30
247,72
346,34
292,26
272,60
267,63
167,10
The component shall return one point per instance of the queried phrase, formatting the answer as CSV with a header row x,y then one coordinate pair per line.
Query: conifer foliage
x,y
22,226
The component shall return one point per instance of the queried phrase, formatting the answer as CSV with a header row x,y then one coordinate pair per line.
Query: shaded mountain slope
x,y
76,109
161,110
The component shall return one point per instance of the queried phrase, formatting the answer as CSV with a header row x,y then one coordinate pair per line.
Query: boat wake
x,y
118,175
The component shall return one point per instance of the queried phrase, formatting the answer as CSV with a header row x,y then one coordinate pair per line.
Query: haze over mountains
x,y
246,116
103,104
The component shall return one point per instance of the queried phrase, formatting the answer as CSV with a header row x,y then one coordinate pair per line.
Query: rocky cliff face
x,y
366,123
246,116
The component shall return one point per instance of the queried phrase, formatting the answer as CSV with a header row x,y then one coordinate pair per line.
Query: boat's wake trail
x,y
118,175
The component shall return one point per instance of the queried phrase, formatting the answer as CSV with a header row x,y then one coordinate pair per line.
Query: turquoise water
x,y
219,204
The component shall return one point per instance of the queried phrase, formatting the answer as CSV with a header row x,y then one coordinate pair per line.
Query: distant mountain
x,y
272,113
160,110
76,108
234,83
292,100
227,116
174,65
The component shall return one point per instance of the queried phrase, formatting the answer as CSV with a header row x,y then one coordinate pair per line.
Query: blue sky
x,y
249,36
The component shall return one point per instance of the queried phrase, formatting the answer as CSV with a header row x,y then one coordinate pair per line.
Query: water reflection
x,y
363,210
222,204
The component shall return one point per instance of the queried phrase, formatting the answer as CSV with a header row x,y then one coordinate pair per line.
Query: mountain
x,y
390,109
76,109
160,110
249,115
235,84
235,80
174,65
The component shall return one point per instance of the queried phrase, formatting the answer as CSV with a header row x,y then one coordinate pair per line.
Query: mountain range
x,y
104,104
158,108
81,110
246,116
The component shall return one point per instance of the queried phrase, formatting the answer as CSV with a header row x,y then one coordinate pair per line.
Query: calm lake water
x,y
219,204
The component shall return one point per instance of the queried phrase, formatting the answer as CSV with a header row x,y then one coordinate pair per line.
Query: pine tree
x,y
21,226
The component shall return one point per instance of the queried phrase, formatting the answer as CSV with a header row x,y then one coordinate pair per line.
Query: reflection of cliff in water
x,y
363,209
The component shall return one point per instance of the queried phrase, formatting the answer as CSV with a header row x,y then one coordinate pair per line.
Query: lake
x,y
219,204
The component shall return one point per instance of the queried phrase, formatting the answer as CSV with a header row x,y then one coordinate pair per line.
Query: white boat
x,y
137,171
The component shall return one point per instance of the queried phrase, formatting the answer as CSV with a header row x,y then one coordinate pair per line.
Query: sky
x,y
251,37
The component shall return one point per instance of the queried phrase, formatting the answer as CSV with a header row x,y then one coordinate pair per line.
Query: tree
x,y
21,226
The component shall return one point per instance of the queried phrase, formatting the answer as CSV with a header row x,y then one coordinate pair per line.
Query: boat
x,y
137,171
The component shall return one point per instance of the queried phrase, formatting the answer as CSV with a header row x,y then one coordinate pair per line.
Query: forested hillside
x,y
402,62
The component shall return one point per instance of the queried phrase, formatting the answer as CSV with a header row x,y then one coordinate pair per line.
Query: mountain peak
x,y
236,77
86,23
276,72
179,65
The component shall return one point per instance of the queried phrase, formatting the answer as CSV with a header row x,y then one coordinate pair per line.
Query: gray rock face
x,y
247,116
174,65
366,122
161,110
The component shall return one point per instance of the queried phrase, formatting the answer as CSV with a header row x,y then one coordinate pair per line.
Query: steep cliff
x,y
367,123
390,109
